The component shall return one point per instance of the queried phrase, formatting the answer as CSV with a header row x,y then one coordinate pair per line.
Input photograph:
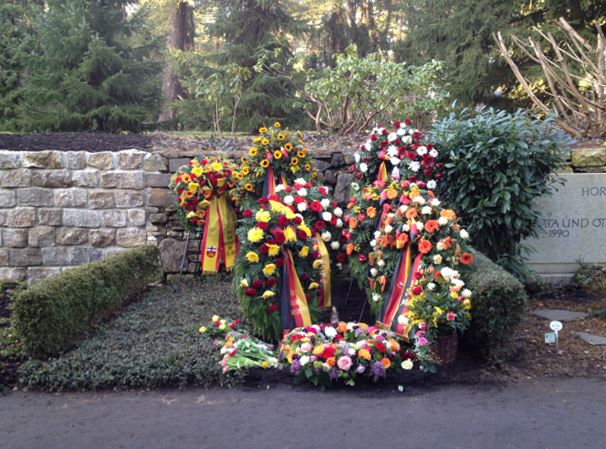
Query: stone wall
x,y
60,209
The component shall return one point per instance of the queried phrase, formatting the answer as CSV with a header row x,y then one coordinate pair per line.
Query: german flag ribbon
x,y
219,242
325,300
382,173
269,182
294,310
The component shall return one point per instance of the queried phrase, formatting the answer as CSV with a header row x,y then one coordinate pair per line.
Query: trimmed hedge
x,y
497,308
54,313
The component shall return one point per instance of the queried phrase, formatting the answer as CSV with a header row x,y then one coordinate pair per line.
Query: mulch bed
x,y
92,142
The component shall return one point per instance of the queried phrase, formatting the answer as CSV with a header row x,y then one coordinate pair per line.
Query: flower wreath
x,y
277,270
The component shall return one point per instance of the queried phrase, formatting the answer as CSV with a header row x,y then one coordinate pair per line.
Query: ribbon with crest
x,y
219,242
294,310
325,299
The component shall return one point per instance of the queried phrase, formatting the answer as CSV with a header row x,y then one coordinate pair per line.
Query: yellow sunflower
x,y
277,125
265,142
264,163
294,161
281,136
301,153
248,187
277,154
253,151
288,146
308,167
263,130
245,170
243,159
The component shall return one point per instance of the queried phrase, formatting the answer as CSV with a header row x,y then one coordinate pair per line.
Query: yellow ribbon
x,y
325,301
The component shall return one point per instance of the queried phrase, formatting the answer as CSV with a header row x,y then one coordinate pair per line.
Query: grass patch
x,y
153,343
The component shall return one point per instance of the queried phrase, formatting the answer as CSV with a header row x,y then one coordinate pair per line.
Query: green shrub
x,y
497,308
54,313
153,343
495,165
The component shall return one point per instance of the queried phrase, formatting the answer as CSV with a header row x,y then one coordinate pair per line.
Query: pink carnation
x,y
423,341
344,363
306,347
450,316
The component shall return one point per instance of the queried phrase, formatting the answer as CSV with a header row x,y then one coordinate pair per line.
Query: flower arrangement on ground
x,y
205,194
343,352
277,156
396,153
278,269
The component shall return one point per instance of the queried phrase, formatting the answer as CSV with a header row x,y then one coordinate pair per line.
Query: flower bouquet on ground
x,y
344,352
277,156
278,269
205,194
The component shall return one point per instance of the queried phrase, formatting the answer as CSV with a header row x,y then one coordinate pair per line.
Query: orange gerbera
x,y
449,214
391,193
371,212
446,242
385,362
432,226
425,246
466,258
353,223
411,213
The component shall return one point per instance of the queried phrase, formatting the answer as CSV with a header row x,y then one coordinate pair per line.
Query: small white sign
x,y
550,338
555,326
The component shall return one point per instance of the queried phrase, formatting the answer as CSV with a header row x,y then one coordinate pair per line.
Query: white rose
x,y
402,320
288,200
304,360
325,202
406,227
419,200
392,150
414,166
377,234
279,187
437,259
326,236
431,184
464,234
466,293
442,221
326,216
374,272
407,140
458,283
395,160
363,167
395,173
440,246
427,210
392,137
381,263
421,150
368,145
419,225
330,332
302,207
302,191
407,364
447,272
373,243
431,286
376,297
388,229
338,211
433,153
357,157
401,131
403,208
300,181
335,245
339,223
435,202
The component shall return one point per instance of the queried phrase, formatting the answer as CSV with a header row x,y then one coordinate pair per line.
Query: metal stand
x,y
185,251
349,291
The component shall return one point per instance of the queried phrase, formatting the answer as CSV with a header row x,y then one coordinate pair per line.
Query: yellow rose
x,y
317,264
263,216
273,250
191,214
313,286
290,234
268,294
252,257
244,283
454,295
304,251
215,318
255,235
318,350
269,269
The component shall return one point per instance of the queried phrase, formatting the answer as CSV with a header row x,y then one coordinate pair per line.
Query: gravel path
x,y
552,414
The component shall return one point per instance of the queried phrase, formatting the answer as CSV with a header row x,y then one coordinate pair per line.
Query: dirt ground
x,y
545,414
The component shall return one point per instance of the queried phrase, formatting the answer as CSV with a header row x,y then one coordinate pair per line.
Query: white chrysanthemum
x,y
325,202
288,200
464,234
426,210
466,293
374,272
304,360
326,216
422,150
302,207
442,221
431,286
437,259
363,167
419,200
335,245
392,150
301,181
339,223
395,161
435,202
392,137
414,166
433,153
402,209
458,283
368,145
302,191
401,131
388,229
419,225
431,184
326,236
377,234
381,263
373,243
338,212
407,140
447,272
355,186
280,187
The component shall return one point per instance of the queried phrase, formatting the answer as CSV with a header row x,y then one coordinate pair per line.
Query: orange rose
x,y
349,249
342,327
330,361
411,213
394,345
364,354
425,246
391,194
385,362
449,214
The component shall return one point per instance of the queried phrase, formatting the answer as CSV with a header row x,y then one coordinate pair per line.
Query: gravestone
x,y
573,227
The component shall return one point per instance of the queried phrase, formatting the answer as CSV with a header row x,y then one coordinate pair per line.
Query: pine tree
x,y
86,76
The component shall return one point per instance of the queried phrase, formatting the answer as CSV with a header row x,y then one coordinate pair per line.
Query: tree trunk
x,y
181,37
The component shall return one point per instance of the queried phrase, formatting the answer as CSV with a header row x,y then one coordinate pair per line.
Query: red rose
x,y
279,261
272,308
257,283
319,225
408,122
262,200
270,282
333,220
341,257
373,137
273,197
417,290
282,221
278,235
315,254
323,190
315,206
396,124
418,275
358,175
204,161
247,213
262,225
362,258
264,249
250,292
380,346
299,199
301,235
297,220
328,352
